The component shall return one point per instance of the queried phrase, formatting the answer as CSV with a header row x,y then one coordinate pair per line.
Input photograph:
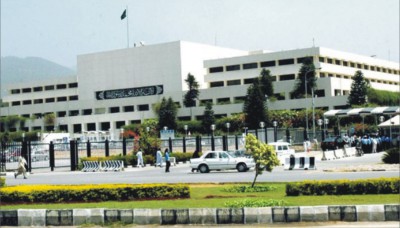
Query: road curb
x,y
200,216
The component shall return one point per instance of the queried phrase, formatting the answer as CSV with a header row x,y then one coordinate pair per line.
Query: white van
x,y
282,150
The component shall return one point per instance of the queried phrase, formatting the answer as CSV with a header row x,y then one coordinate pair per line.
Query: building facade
x,y
120,87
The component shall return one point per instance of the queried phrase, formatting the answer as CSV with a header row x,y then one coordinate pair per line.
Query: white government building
x,y
119,87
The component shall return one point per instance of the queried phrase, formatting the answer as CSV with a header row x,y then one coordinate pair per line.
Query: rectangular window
x,y
301,59
15,91
232,67
250,66
49,87
204,102
249,80
61,99
389,71
287,77
61,86
233,82
373,68
285,62
384,70
62,114
352,64
15,103
359,66
320,93
143,107
105,126
73,98
74,113
216,84
98,111
129,108
87,112
280,96
330,60
322,75
50,100
268,64
37,89
345,63
366,67
322,59
77,128
378,69
91,126
225,100
114,109
119,124
73,85
239,99
216,69
26,102
26,90
38,101
337,62
25,115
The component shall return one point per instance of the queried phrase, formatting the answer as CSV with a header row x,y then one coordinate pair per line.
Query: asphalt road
x,y
182,174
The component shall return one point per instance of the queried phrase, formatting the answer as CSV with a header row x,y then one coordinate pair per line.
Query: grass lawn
x,y
213,196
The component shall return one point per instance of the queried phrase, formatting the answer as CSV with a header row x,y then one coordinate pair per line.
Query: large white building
x,y
119,87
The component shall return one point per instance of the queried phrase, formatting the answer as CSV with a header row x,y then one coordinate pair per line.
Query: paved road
x,y
182,174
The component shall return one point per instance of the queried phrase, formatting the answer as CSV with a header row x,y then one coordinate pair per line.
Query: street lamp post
x,y
326,122
320,121
38,136
213,129
275,124
262,125
305,95
228,125
185,127
381,119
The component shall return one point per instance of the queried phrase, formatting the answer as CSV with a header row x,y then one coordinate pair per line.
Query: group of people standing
x,y
371,143
159,160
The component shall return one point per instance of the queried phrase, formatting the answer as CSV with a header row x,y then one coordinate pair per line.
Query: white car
x,y
221,160
282,150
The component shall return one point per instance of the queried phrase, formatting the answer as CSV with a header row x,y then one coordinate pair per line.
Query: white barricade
x,y
299,163
329,155
339,153
108,165
350,151
171,159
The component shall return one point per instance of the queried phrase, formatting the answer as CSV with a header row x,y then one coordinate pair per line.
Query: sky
x,y
61,30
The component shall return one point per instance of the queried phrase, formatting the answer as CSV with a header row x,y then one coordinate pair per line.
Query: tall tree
x,y
254,107
208,118
306,79
167,114
359,90
192,94
266,82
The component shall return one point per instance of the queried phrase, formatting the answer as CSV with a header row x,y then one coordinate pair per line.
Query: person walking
x,y
167,161
374,145
196,154
159,158
21,168
139,156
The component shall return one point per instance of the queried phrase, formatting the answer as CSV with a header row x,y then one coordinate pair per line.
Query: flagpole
x,y
127,26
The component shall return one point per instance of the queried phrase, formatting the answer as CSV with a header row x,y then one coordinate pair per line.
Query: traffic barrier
x,y
300,163
200,216
329,155
339,153
108,165
171,159
350,151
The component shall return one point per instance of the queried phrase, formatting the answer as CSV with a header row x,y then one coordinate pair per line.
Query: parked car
x,y
333,143
282,150
221,160
38,154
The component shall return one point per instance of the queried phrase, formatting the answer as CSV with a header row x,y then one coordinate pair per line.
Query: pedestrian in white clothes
x,y
21,168
374,145
159,160
139,156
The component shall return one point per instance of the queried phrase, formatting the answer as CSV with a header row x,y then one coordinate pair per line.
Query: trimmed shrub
x,y
344,187
244,188
2,182
255,203
391,156
91,193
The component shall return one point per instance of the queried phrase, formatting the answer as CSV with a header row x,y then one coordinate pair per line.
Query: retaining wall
x,y
203,216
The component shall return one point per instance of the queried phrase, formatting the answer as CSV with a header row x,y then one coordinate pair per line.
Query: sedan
x,y
221,160
333,143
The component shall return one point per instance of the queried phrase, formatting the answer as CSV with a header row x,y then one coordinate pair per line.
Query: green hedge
x,y
91,193
344,187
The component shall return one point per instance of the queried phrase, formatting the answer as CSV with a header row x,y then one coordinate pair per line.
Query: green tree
x,y
254,107
50,119
359,90
208,118
192,94
167,112
263,155
266,82
306,75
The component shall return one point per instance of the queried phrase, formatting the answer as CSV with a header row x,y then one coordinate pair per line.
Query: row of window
x,y
254,65
290,61
46,100
323,75
360,66
44,88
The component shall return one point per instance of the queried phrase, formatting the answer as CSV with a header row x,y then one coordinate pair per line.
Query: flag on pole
x,y
123,15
